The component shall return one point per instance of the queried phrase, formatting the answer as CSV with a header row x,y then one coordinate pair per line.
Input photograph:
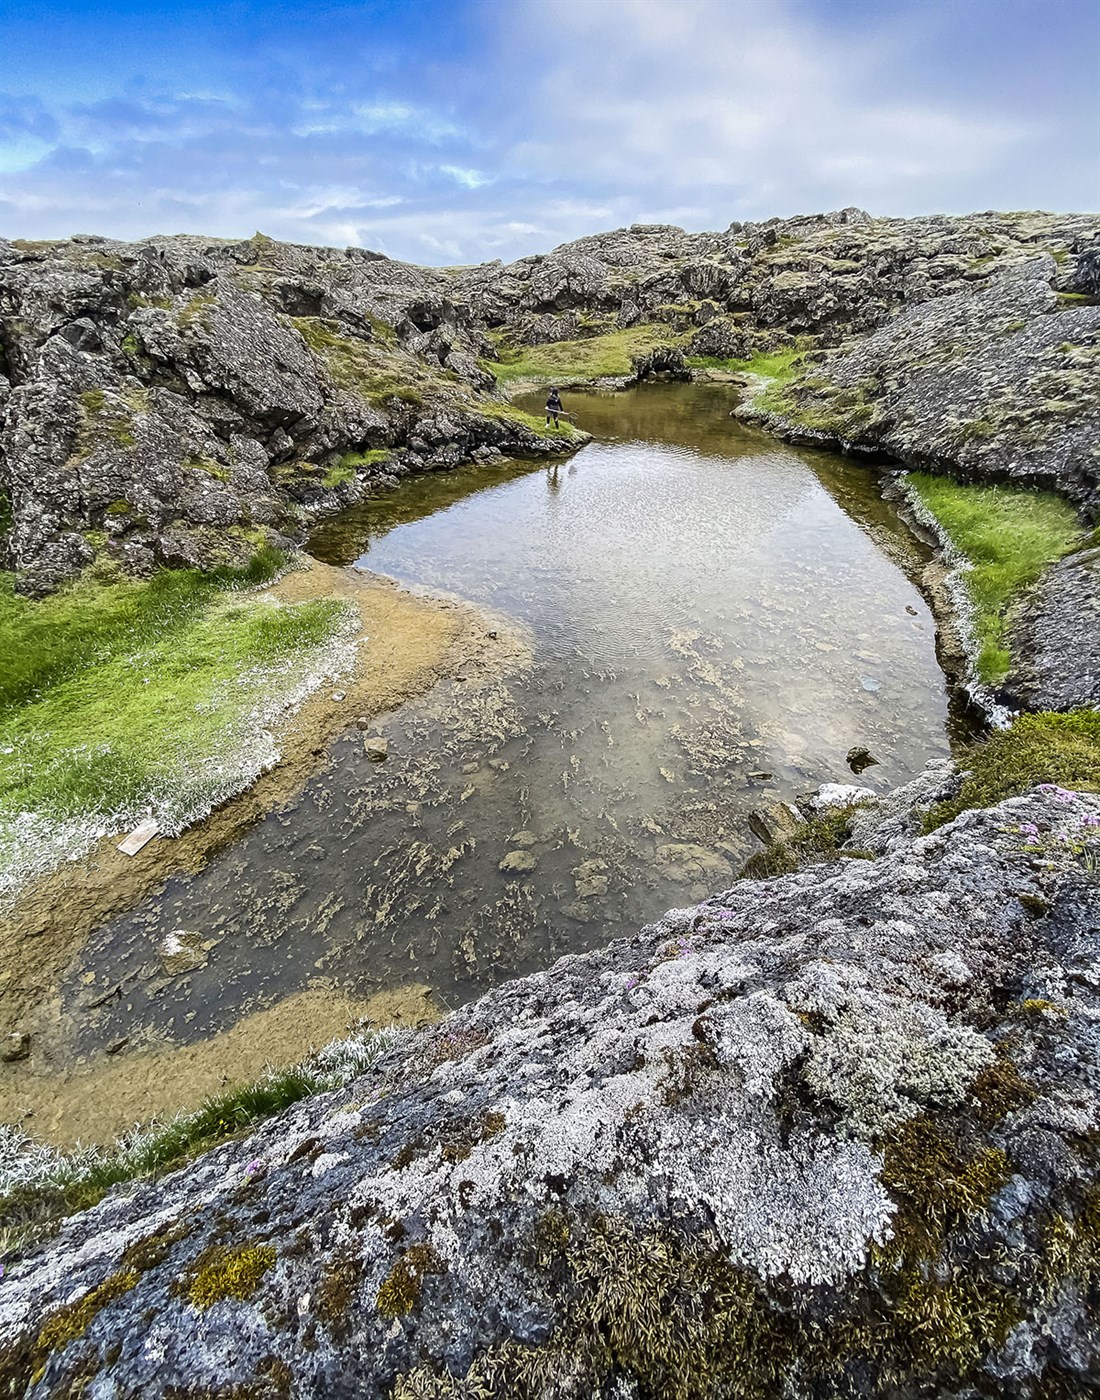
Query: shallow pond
x,y
714,619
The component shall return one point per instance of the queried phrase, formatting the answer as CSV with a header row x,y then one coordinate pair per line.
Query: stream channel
x,y
713,619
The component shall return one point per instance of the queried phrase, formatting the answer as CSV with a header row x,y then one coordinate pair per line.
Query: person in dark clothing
x,y
553,407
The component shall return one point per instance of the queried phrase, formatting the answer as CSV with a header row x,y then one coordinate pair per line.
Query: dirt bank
x,y
96,1102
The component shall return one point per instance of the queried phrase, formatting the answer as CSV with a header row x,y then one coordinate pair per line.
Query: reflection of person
x,y
553,407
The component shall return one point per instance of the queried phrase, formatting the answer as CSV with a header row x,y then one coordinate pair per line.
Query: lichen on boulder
x,y
817,1135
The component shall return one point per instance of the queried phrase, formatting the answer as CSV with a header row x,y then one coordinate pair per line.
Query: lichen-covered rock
x,y
830,1134
998,381
1055,638
181,401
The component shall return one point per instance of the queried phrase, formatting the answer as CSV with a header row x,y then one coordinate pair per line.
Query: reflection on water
x,y
714,618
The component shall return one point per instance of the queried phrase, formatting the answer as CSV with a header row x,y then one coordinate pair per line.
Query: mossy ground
x,y
127,696
597,357
1008,535
1063,749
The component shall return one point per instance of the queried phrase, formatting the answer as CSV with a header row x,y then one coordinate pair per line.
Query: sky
x,y
456,131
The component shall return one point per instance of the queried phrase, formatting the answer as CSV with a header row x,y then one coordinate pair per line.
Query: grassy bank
x,y
597,357
128,698
778,365
1007,535
1060,749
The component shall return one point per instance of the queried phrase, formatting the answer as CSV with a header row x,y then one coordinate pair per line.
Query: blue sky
x,y
472,129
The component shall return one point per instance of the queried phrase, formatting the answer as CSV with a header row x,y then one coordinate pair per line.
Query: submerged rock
x,y
827,1134
859,758
519,862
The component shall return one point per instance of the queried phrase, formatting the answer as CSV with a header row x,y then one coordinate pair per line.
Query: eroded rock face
x,y
999,381
1055,638
834,1133
181,401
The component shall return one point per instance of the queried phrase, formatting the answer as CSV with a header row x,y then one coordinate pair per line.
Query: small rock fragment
x,y
376,748
16,1046
518,862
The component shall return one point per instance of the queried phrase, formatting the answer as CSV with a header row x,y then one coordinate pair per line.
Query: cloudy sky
x,y
448,131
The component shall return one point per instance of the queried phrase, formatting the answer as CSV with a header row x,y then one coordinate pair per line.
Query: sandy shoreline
x,y
408,641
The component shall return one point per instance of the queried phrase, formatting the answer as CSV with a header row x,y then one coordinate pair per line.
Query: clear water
x,y
715,619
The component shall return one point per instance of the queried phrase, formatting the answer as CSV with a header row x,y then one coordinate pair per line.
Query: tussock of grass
x,y
131,698
597,357
1063,749
1007,535
39,1186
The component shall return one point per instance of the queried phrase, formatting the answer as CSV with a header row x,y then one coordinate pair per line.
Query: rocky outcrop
x,y
829,1134
757,284
1055,638
1000,381
180,401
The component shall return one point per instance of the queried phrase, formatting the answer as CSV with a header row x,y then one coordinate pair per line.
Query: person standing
x,y
553,407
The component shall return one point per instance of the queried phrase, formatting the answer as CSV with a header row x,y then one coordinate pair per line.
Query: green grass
x,y
1063,749
128,697
773,364
597,357
491,409
1008,535
371,457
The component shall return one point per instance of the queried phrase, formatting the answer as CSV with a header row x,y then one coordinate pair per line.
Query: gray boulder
x,y
824,1135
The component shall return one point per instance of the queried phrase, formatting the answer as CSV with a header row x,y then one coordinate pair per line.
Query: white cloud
x,y
741,103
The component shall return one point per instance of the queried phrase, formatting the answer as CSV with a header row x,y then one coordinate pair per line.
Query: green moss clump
x,y
369,457
70,1322
1008,535
999,1090
333,1296
339,475
1063,749
816,840
937,1183
400,1290
954,1323
220,1273
119,508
